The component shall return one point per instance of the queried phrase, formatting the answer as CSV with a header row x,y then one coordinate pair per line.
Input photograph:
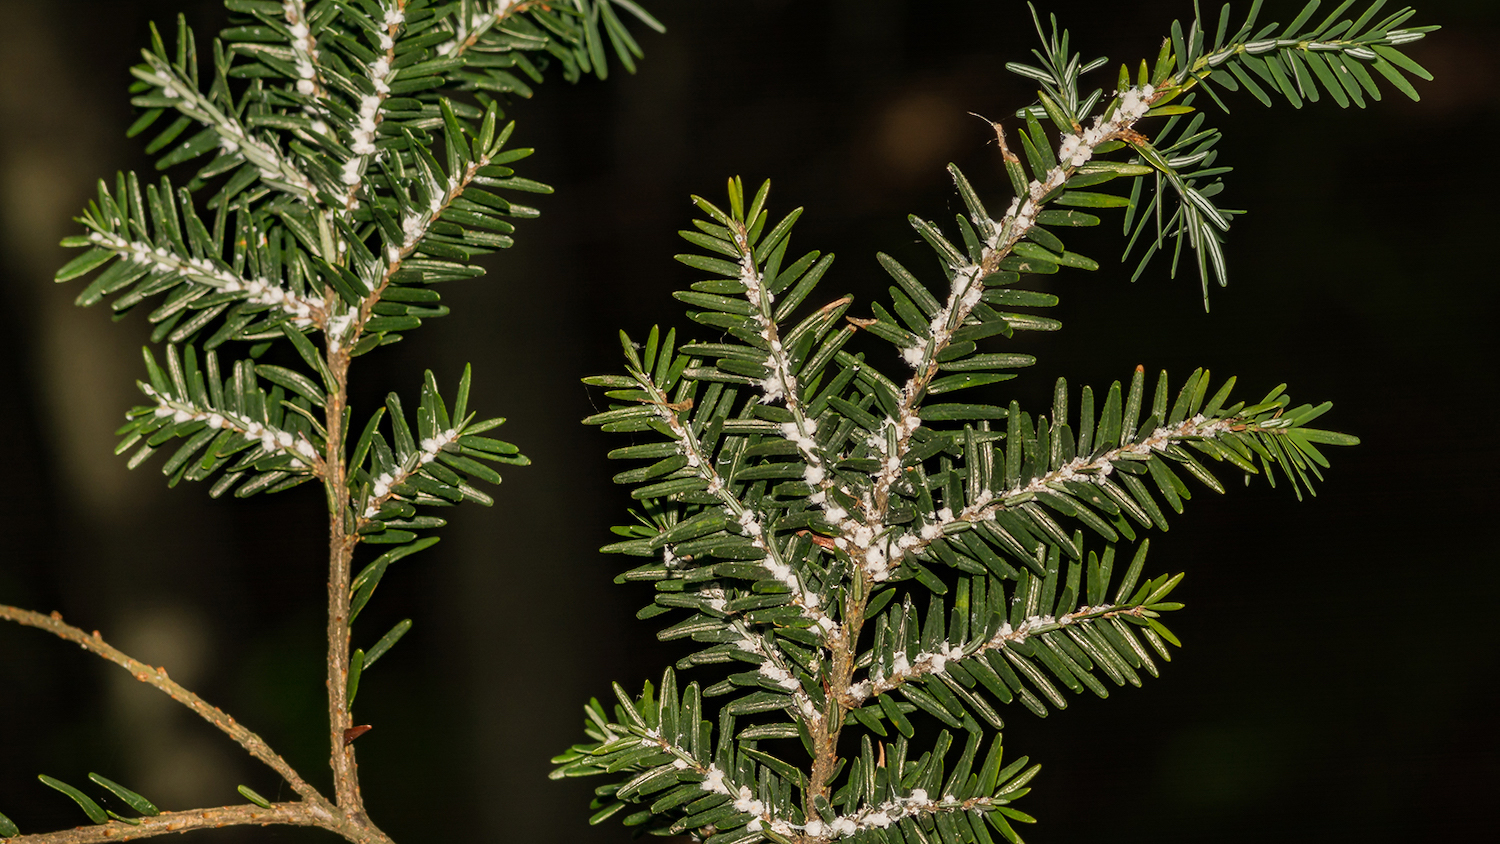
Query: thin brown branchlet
x,y
313,810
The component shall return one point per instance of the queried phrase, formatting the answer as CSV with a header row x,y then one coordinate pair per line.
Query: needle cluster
x,y
871,564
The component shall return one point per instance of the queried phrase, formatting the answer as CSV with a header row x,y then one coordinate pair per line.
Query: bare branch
x,y
288,814
158,678
293,814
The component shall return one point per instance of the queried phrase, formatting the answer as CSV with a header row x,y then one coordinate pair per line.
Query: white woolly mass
x,y
862,536
271,440
938,662
792,431
899,665
805,706
964,295
412,229
809,599
773,387
748,523
366,124
746,802
804,441
259,291
304,48
364,129
337,329
1074,151
780,676
780,571
715,781
415,223
882,816
380,71
780,383
427,453
1134,103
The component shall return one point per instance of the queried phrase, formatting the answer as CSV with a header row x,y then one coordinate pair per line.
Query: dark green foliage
x,y
859,549
329,164
345,158
1299,62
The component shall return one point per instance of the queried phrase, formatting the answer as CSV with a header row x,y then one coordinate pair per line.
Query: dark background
x,y
1339,674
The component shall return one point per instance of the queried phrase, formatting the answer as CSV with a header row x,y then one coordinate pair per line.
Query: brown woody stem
x,y
340,564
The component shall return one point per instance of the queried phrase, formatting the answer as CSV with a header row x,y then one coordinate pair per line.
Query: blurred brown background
x,y
1339,675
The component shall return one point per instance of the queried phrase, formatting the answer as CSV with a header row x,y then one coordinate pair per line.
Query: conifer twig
x,y
874,563
304,157
854,491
